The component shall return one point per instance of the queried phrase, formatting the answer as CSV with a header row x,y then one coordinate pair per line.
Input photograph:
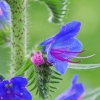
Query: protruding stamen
x,y
73,61
63,59
75,52
84,56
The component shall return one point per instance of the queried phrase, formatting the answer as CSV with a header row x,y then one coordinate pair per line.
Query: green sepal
x,y
53,87
55,77
26,65
54,82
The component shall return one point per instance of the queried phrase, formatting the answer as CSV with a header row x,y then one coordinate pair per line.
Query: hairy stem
x,y
18,33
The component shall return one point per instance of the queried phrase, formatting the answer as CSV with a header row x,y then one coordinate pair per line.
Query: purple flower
x,y
63,46
14,89
4,14
74,93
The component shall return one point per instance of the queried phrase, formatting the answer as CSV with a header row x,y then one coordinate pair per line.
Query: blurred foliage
x,y
85,11
57,9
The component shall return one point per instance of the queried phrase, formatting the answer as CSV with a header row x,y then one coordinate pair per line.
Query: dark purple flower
x,y
14,89
63,46
73,93
4,14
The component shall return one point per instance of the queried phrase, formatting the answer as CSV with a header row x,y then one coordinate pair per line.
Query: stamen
x,y
73,61
63,59
75,52
84,56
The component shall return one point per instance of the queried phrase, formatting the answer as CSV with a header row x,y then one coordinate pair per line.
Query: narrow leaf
x,y
26,65
33,88
53,87
54,82
31,83
30,75
55,77
83,66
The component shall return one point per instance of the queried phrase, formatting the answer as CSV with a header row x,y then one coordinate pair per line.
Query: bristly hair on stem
x,y
18,33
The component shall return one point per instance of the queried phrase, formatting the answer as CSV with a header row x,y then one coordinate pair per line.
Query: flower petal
x,y
74,79
60,66
24,93
2,87
73,45
79,89
69,30
19,82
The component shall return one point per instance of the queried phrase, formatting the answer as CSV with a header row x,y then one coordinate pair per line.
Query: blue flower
x,y
14,89
74,93
64,46
4,14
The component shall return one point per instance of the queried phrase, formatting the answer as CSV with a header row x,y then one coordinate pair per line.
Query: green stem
x,y
18,33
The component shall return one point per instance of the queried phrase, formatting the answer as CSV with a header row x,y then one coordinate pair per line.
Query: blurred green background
x,y
85,11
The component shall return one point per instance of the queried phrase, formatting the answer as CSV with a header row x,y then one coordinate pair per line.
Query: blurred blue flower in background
x,y
62,47
14,89
4,14
73,93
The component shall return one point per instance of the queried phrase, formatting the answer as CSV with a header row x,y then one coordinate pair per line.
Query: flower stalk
x,y
18,33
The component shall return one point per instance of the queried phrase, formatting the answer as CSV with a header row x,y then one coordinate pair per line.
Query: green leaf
x,y
54,82
31,82
33,88
83,66
1,78
53,87
2,36
58,9
26,65
55,77
31,75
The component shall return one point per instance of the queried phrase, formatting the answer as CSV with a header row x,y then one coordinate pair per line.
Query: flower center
x,y
58,53
9,93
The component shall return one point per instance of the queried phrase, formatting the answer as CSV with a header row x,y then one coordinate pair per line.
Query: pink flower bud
x,y
37,58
